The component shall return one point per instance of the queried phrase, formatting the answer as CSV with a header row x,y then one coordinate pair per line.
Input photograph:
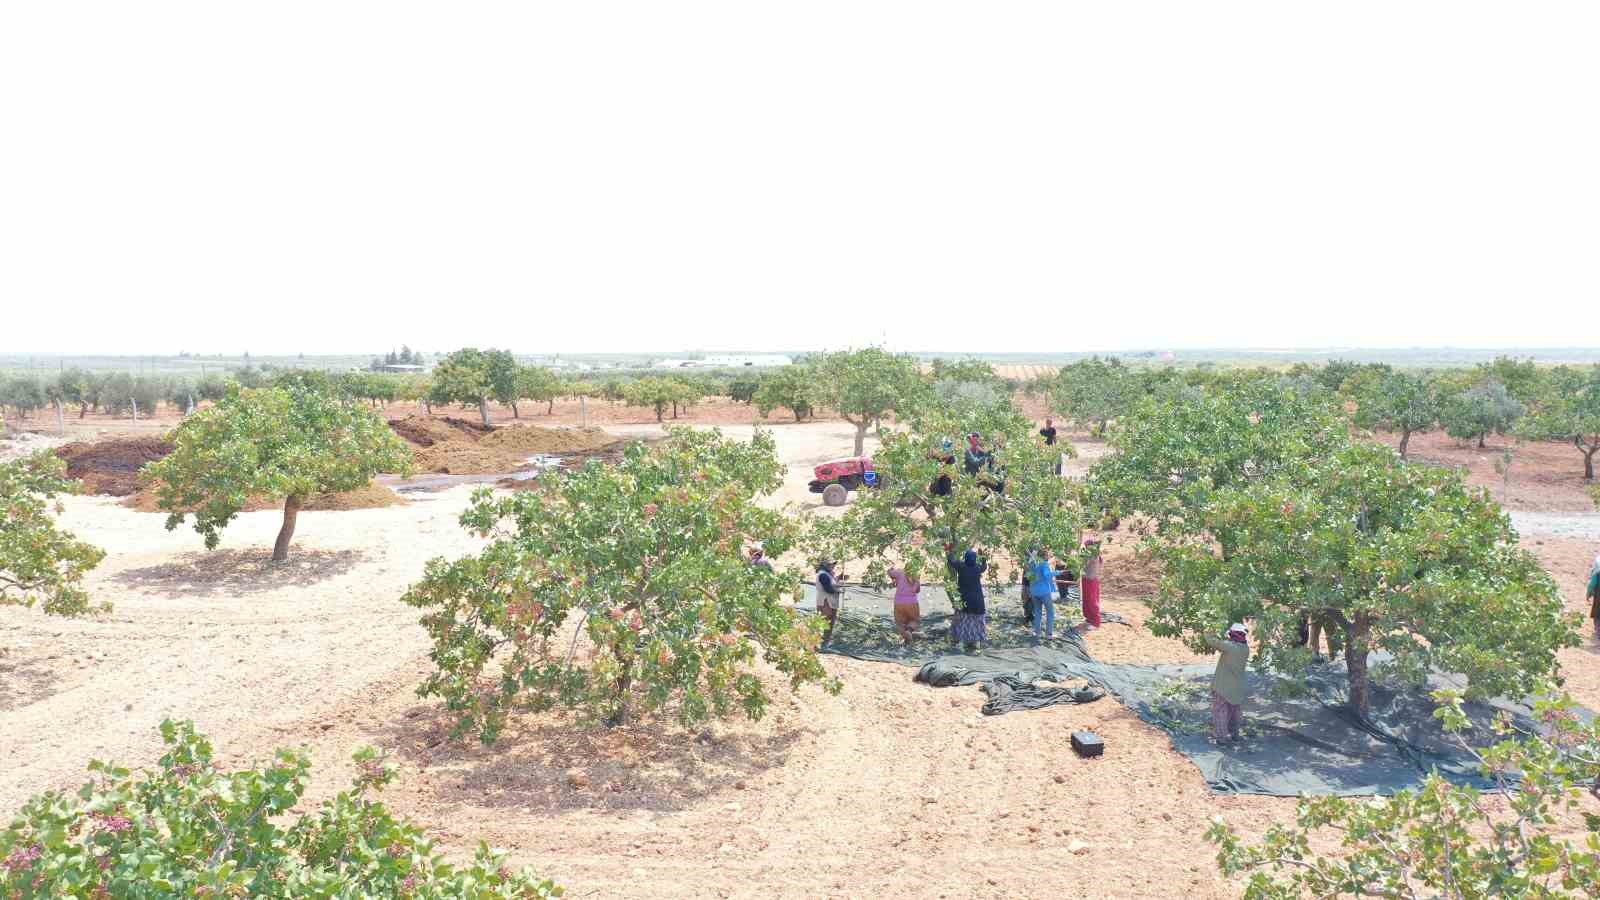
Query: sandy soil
x,y
890,789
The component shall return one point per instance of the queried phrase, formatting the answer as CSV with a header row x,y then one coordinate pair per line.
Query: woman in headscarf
x,y
1592,594
907,612
970,626
1091,585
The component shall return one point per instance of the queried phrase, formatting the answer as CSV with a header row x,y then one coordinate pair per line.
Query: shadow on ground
x,y
212,573
25,679
551,762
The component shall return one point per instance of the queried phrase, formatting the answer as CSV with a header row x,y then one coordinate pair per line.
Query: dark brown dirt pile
x,y
504,449
425,431
112,466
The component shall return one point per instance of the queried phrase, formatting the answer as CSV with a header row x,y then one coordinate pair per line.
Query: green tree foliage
x,y
287,441
652,393
865,386
1402,402
474,377
1183,445
907,520
1092,392
1483,409
971,380
645,562
24,394
793,387
1401,557
742,389
1443,840
1568,409
192,829
1523,378
540,385
40,563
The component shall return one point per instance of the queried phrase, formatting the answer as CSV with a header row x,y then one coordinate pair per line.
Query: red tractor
x,y
836,478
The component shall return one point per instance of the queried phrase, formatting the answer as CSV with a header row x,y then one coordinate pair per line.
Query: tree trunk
x,y
483,410
83,410
861,435
674,409
1357,636
135,410
551,409
1481,438
61,418
291,511
620,715
515,413
1405,438
1588,462
661,410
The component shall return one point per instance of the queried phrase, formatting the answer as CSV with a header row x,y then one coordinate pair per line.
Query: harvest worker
x,y
970,625
829,596
976,457
1048,432
1592,594
907,612
1228,684
1091,585
1042,582
758,557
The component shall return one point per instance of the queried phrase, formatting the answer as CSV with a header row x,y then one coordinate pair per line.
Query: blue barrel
x,y
870,477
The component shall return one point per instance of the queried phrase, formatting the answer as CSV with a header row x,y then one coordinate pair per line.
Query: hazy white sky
x,y
325,176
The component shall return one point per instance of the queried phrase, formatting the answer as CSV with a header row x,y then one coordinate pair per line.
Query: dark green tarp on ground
x,y
1307,743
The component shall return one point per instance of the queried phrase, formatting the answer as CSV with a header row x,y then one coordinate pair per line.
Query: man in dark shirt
x,y
976,457
1048,432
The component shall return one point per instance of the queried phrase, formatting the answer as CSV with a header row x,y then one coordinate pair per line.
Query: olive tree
x,y
40,563
1399,557
473,377
1401,402
1483,409
653,393
288,441
1443,840
926,498
539,384
865,386
191,828
620,590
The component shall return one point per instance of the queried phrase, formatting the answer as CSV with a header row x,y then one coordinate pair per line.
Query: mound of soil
x,y
425,431
505,449
112,466
373,496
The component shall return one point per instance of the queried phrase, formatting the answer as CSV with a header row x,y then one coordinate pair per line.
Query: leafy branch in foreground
x,y
190,829
40,563
1445,840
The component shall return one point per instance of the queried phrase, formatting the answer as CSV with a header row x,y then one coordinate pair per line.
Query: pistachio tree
x,y
866,386
1398,557
928,500
1092,392
1443,840
621,590
796,388
1568,410
288,441
1480,410
40,563
1182,445
190,828
474,377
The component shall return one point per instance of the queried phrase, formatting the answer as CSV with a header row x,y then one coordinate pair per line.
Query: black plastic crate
x,y
1087,743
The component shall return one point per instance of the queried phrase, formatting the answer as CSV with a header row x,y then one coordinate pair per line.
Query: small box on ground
x,y
1087,743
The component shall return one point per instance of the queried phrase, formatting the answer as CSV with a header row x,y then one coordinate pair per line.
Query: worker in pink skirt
x,y
1091,586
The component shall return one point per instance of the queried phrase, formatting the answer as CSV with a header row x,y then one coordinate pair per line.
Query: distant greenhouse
x,y
757,360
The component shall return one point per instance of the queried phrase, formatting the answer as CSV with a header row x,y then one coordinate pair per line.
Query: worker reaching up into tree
x,y
970,625
1228,686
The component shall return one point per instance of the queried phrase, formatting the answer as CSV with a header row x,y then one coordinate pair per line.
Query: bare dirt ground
x,y
889,789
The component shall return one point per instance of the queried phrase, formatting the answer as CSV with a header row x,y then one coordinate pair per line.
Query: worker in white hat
x,y
1228,685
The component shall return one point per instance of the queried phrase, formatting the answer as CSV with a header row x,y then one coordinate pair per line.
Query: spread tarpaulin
x,y
1298,737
